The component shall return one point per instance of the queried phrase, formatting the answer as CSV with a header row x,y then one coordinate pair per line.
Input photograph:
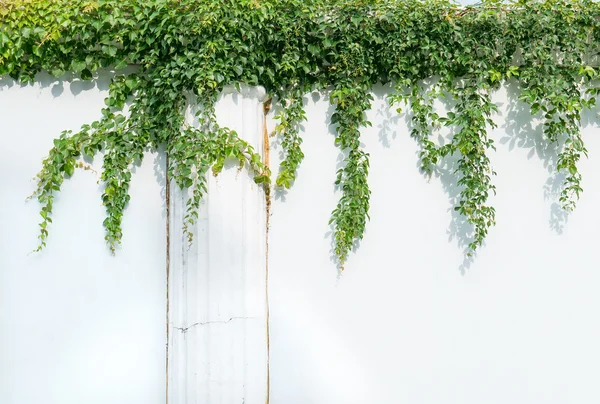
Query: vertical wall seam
x,y
168,268
267,161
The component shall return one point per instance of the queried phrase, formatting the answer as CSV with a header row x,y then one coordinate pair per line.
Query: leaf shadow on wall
x,y
459,230
160,173
520,129
523,130
101,82
6,83
389,118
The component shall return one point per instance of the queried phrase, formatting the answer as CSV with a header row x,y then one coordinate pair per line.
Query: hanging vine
x,y
292,47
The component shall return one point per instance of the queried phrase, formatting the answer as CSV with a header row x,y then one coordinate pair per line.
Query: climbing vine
x,y
186,51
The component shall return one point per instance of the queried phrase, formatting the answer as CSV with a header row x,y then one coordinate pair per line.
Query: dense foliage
x,y
292,47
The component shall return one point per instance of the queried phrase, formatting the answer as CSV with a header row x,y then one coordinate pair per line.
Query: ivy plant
x,y
292,47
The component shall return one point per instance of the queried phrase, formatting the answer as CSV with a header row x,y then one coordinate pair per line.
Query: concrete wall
x,y
217,286
77,325
409,320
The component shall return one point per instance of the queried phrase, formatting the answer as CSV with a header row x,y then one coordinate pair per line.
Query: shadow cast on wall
x,y
100,81
520,129
459,229
523,130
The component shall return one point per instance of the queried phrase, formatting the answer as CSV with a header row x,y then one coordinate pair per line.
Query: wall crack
x,y
185,329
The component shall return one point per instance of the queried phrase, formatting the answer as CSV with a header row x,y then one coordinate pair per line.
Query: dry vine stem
x,y
292,47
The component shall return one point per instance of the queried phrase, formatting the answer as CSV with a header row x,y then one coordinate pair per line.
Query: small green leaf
x,y
77,66
572,169
69,169
121,64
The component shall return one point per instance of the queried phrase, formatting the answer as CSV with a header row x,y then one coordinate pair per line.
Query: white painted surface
x,y
77,325
217,334
405,323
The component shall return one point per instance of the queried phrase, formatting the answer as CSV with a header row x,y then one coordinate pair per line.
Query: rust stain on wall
x,y
267,161
168,267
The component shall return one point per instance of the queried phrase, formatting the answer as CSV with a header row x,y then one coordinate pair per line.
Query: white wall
x,y
407,321
217,286
77,325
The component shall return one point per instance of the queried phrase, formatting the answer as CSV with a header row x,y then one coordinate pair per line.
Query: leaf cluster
x,y
292,47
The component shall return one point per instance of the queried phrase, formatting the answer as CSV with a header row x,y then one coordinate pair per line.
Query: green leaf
x,y
121,64
69,169
573,169
77,66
